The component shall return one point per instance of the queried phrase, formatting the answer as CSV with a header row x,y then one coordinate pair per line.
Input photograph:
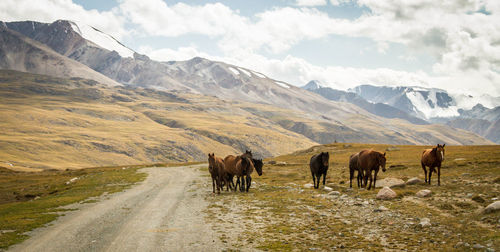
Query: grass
x,y
29,200
292,217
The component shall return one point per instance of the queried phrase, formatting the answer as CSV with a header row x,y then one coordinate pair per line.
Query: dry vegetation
x,y
279,213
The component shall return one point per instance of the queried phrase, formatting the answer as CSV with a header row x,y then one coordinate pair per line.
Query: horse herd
x,y
224,170
367,163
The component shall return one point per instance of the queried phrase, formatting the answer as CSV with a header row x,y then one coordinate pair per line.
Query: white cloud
x,y
310,2
168,54
51,10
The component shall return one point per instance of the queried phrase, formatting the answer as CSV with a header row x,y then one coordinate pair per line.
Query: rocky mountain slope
x,y
307,114
379,109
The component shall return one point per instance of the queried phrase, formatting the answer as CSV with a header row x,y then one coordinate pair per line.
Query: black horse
x,y
258,164
319,166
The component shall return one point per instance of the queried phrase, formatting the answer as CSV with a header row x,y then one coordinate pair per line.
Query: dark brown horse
x,y
258,164
319,166
217,171
368,161
240,166
353,166
433,158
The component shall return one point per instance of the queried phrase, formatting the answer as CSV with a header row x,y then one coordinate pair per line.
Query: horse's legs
x,y
351,175
430,174
425,171
213,185
314,179
439,175
375,179
371,179
324,178
249,182
365,176
242,184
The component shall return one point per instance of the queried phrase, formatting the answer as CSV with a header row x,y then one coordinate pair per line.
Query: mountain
x,y
308,114
480,120
21,53
425,103
379,109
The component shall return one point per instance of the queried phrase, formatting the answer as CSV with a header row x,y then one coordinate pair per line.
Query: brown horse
x,y
240,166
433,158
353,166
319,166
368,161
217,171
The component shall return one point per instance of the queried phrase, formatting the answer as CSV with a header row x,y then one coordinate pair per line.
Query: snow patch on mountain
x,y
313,85
259,75
101,39
468,101
234,71
428,107
245,72
282,84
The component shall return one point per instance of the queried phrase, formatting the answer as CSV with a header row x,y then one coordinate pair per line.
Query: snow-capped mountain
x,y
100,38
313,85
425,103
327,120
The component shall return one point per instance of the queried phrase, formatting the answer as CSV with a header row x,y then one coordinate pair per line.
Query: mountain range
x,y
72,51
422,106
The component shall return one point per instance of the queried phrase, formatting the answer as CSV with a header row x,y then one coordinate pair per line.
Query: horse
x,y
217,171
368,161
319,166
433,158
353,166
258,164
239,166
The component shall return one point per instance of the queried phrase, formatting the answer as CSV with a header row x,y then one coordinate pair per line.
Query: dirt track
x,y
163,213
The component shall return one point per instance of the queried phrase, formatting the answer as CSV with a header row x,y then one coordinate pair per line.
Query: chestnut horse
x,y
368,161
353,166
240,166
433,158
319,166
217,171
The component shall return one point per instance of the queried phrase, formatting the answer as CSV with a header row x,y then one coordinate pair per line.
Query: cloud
x,y
51,10
168,54
310,2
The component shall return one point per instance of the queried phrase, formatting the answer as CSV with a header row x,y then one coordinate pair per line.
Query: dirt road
x,y
163,213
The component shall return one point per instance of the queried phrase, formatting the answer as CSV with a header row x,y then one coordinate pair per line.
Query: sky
x,y
448,44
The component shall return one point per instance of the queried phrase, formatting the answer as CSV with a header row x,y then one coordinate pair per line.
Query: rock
x,y
459,159
414,181
308,186
424,222
392,148
478,246
386,194
478,199
281,163
334,193
493,207
423,193
71,180
272,162
390,182
382,208
328,189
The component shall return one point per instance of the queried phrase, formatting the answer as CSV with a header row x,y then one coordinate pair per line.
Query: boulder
x,y
414,181
493,207
424,222
308,186
390,182
423,193
328,189
334,193
386,193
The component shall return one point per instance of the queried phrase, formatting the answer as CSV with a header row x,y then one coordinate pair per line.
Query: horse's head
x,y
324,158
440,152
381,161
211,159
258,164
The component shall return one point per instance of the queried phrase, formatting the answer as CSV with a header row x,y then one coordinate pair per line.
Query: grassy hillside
x,y
72,123
49,122
280,213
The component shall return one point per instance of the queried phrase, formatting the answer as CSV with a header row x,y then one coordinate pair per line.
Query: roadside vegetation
x,y
281,213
